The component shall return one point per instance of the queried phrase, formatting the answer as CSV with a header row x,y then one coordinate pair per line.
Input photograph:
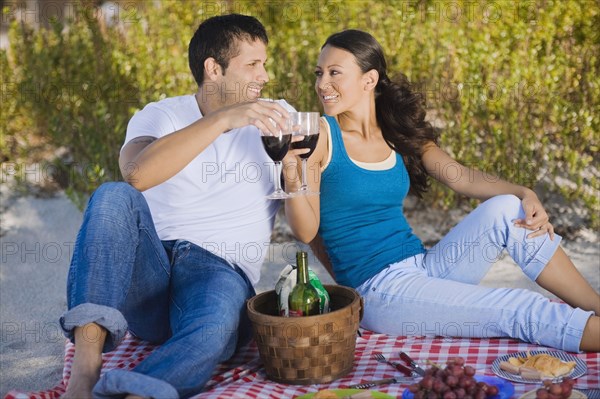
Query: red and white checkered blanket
x,y
243,376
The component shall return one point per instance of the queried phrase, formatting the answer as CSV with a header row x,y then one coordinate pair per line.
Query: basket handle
x,y
361,311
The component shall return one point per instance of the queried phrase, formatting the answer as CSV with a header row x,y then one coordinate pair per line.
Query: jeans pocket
x,y
180,250
373,282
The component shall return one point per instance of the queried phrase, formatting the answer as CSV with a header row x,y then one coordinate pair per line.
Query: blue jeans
x,y
436,293
172,293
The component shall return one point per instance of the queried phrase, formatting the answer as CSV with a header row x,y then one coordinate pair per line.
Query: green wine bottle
x,y
304,298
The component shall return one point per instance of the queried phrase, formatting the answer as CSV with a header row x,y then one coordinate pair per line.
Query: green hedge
x,y
513,85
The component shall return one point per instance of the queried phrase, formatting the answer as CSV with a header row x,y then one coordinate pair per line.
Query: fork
x,y
401,368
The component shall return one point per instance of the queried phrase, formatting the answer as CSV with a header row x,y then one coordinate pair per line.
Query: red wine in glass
x,y
309,142
276,146
305,125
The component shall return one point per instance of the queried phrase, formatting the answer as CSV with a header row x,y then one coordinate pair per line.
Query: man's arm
x,y
147,161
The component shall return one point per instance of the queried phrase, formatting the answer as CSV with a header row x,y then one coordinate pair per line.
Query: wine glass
x,y
276,146
305,124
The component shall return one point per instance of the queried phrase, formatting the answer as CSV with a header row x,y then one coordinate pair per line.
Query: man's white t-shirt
x,y
218,201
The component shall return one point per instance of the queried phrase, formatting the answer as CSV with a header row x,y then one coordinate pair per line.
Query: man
x,y
175,265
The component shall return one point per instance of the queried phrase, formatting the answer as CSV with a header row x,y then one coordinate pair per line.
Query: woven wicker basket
x,y
307,350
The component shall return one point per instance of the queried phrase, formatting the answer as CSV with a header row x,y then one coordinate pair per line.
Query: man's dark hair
x,y
217,38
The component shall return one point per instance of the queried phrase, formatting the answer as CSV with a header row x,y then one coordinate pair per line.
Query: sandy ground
x,y
37,239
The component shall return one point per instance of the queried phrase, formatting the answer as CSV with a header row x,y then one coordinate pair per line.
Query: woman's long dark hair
x,y
400,110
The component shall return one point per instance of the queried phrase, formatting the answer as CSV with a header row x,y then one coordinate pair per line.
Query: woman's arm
x,y
476,184
318,248
302,212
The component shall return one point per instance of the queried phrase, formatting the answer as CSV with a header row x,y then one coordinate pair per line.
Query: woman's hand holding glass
x,y
305,133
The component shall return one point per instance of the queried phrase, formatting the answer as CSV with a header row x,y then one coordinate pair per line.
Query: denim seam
x,y
94,313
571,332
118,382
540,258
560,331
468,247
159,255
425,302
537,321
472,306
416,300
175,303
185,245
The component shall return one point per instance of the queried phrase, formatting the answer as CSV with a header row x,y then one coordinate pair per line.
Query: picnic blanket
x,y
243,376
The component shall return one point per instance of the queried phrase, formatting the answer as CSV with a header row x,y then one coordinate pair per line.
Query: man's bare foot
x,y
80,388
87,362
85,373
134,397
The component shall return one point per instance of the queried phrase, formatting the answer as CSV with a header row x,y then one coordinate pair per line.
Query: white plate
x,y
575,394
579,370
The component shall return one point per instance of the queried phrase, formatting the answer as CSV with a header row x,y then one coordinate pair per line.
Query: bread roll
x,y
547,365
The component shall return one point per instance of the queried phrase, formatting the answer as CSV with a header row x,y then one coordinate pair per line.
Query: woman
x,y
374,147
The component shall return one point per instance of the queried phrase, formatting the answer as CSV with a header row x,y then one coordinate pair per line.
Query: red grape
x,y
556,390
414,388
466,382
432,370
455,381
427,382
438,386
570,381
541,394
472,389
451,381
457,371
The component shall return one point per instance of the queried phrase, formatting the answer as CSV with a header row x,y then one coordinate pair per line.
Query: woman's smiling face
x,y
339,80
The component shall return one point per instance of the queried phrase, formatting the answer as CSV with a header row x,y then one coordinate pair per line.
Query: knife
x,y
374,383
416,368
401,368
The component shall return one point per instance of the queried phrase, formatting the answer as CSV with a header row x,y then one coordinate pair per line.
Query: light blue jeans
x,y
173,293
436,293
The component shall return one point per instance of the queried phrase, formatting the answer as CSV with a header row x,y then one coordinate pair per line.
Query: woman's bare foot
x,y
87,362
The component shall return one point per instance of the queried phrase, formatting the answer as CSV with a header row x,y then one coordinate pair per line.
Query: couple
x,y
173,254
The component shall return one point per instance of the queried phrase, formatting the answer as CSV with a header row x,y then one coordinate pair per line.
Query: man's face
x,y
245,75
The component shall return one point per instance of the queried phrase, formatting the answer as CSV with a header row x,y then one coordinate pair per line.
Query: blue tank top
x,y
362,218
